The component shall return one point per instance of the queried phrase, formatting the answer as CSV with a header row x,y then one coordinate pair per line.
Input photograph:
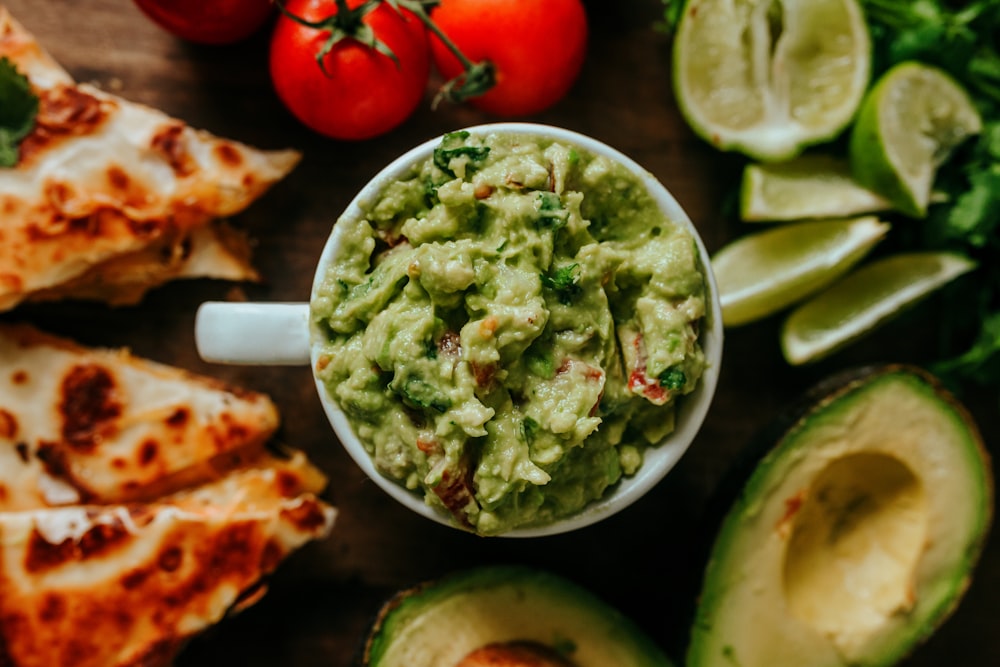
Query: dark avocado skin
x,y
732,487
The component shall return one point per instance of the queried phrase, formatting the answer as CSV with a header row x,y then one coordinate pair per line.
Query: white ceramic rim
x,y
658,459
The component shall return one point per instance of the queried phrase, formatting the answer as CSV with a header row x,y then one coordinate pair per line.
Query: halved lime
x,y
809,186
769,77
909,123
762,273
864,299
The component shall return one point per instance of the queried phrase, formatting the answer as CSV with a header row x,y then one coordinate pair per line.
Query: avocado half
x,y
501,610
855,536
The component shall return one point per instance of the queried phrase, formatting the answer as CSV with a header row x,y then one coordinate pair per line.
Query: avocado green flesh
x,y
854,538
438,625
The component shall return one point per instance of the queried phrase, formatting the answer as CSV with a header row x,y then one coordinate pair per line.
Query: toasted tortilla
x,y
218,251
139,503
84,425
117,585
102,180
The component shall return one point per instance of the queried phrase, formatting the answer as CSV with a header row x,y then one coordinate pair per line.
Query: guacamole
x,y
509,326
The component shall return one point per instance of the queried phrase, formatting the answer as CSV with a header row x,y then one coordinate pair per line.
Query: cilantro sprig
x,y
452,146
564,281
18,110
962,39
959,38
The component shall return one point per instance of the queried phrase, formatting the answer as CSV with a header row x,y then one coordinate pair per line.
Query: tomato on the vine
x,y
356,90
208,21
537,49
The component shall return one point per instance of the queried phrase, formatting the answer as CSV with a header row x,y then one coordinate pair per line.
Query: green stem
x,y
418,9
476,78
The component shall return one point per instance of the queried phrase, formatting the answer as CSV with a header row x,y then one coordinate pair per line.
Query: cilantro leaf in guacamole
x,y
18,109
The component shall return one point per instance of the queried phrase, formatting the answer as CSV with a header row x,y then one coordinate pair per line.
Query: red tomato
x,y
208,21
362,93
537,48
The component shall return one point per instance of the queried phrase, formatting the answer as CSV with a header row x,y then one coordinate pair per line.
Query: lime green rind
x,y
949,587
870,163
829,304
578,603
860,236
781,136
809,187
871,153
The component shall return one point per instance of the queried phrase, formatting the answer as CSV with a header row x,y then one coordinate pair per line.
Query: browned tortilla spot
x,y
53,608
179,417
170,559
147,452
43,555
63,111
168,141
307,516
227,154
289,485
90,405
135,578
8,425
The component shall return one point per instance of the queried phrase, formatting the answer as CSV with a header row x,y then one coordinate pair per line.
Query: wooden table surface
x,y
647,560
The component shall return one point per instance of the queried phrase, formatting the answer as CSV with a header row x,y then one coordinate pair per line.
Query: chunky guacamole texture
x,y
509,327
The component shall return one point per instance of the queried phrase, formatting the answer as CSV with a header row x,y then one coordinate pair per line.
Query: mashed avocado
x,y
508,328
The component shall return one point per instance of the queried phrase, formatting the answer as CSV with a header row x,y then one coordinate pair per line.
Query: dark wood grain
x,y
648,559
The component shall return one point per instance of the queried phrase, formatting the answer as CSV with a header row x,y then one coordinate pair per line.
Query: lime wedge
x,y
769,77
907,126
864,299
809,186
762,273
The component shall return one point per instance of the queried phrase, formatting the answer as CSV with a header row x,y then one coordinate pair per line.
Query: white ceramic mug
x,y
281,334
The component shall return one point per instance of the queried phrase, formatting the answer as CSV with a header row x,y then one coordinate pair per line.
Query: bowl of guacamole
x,y
515,330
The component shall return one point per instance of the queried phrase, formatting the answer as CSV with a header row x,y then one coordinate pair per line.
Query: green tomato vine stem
x,y
346,23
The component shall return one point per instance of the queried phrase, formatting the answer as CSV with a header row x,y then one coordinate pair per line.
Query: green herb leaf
x,y
423,394
981,362
18,110
673,378
551,214
452,146
564,282
962,39
672,10
976,212
529,427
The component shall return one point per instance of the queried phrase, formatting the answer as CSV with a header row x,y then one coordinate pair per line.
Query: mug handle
x,y
253,334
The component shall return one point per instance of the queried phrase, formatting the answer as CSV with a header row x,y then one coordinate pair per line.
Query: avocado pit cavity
x,y
854,547
856,534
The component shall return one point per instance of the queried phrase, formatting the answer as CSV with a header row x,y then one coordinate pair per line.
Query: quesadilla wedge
x,y
217,250
139,503
85,425
110,198
127,585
